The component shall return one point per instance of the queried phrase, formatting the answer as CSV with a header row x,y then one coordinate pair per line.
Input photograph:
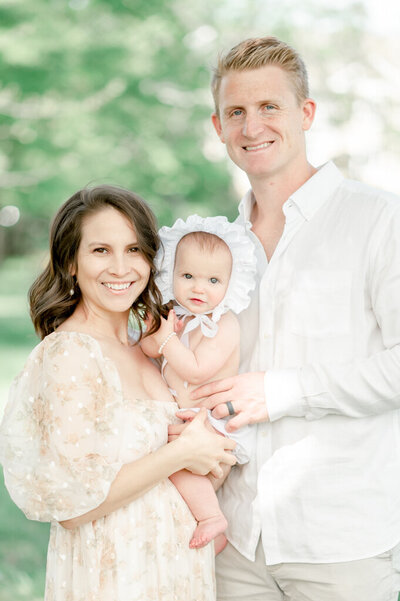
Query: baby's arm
x,y
210,355
150,344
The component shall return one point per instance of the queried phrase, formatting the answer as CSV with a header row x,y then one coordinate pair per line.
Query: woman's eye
x,y
100,250
213,280
187,276
134,249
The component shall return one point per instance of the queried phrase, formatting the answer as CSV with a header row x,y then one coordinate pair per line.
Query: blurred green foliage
x,y
117,91
102,91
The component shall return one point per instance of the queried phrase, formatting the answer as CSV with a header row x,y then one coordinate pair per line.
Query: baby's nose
x,y
198,286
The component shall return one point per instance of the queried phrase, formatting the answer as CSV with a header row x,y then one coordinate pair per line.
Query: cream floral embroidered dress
x,y
67,430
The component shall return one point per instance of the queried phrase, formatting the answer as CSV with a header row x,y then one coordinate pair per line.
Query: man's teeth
x,y
264,145
117,286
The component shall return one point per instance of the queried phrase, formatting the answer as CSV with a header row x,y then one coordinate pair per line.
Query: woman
x,y
81,443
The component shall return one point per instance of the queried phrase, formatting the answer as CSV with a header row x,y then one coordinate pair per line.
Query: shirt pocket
x,y
320,303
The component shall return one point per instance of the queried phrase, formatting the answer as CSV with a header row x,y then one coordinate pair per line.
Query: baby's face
x,y
201,276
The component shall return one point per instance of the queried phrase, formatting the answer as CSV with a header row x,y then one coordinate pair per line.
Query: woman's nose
x,y
119,265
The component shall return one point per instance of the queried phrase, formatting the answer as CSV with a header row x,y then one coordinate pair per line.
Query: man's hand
x,y
245,393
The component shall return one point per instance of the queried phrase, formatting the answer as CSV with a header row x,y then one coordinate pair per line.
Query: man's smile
x,y
258,147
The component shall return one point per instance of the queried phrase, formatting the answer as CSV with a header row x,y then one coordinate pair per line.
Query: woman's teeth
x,y
117,286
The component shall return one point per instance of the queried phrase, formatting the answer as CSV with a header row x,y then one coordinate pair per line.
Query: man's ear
x,y
309,108
217,125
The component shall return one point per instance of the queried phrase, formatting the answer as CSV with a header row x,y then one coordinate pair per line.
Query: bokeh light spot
x,y
9,215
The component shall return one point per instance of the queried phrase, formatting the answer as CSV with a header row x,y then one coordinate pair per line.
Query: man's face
x,y
262,122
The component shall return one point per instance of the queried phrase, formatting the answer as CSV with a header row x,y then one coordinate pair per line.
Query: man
x,y
316,515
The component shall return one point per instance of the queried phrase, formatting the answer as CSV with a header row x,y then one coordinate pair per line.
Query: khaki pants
x,y
239,579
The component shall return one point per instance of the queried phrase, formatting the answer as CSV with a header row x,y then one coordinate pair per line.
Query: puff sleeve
x,y
59,439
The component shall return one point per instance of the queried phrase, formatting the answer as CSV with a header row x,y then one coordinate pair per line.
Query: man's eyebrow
x,y
266,100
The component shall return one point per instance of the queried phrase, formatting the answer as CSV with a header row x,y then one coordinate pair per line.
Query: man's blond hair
x,y
258,52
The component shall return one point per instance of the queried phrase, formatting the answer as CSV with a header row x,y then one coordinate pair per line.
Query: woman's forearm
x,y
197,450
133,480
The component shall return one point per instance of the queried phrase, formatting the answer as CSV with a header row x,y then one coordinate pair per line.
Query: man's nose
x,y
253,125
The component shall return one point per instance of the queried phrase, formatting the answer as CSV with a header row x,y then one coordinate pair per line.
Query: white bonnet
x,y
243,275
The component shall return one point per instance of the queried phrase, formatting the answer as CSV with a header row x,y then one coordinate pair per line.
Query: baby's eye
x,y
187,276
214,280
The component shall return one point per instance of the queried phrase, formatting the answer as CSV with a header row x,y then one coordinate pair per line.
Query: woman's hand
x,y
203,450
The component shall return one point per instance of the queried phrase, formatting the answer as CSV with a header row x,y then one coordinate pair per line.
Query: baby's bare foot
x,y
207,530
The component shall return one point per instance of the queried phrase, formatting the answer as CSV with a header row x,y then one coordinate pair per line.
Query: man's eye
x,y
268,107
187,276
237,113
213,280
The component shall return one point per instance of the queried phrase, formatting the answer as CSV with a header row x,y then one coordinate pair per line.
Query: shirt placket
x,y
293,222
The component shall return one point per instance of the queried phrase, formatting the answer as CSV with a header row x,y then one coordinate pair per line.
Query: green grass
x,y
23,543
23,546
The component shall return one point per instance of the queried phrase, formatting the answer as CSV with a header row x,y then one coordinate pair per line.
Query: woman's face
x,y
111,271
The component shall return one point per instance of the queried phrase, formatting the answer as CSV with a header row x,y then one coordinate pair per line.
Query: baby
x,y
207,269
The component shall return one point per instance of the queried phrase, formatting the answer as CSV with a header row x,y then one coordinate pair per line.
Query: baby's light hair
x,y
204,240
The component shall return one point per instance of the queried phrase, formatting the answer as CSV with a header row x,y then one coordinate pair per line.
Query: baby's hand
x,y
179,325
151,344
166,328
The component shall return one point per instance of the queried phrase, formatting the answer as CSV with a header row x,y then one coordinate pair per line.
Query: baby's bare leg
x,y
201,499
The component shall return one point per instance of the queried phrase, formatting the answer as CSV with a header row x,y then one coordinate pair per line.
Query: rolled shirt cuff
x,y
283,394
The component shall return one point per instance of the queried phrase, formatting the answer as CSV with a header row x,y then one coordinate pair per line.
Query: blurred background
x,y
117,91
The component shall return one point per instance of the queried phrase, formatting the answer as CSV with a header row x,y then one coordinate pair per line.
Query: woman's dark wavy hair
x,y
49,296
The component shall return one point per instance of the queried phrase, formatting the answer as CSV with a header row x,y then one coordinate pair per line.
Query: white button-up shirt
x,y
324,323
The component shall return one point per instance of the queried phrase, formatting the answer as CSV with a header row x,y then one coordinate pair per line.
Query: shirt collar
x,y
317,190
308,198
245,207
